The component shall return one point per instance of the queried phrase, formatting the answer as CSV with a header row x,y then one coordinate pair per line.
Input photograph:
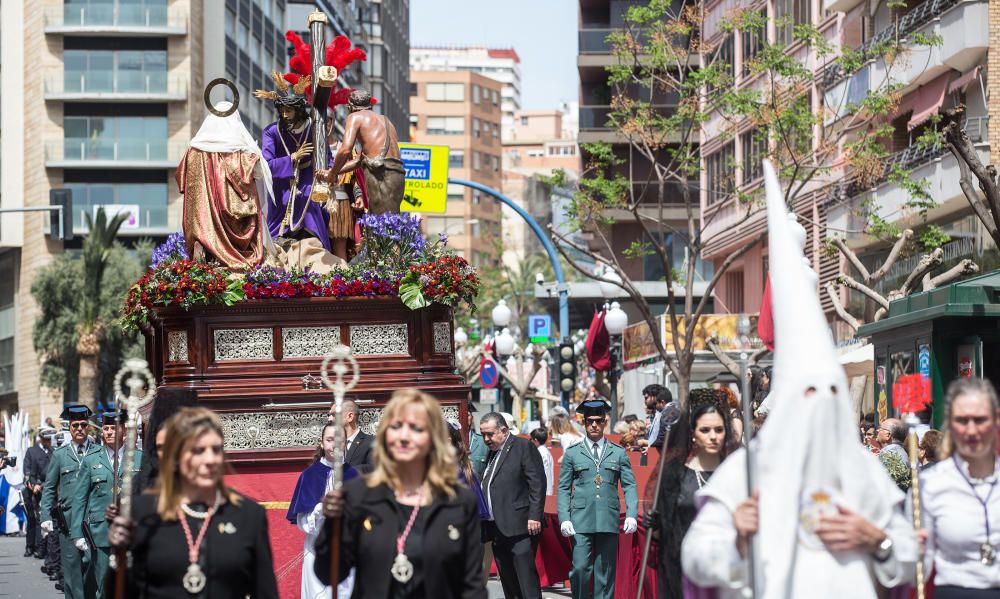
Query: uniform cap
x,y
76,412
594,407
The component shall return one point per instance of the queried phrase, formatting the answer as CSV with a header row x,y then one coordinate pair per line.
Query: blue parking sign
x,y
417,162
540,328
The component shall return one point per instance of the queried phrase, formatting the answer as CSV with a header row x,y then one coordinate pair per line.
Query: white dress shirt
x,y
955,521
549,467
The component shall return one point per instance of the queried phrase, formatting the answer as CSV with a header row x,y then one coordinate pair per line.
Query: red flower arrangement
x,y
448,280
183,283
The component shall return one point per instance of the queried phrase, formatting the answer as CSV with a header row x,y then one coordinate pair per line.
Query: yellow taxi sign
x,y
426,177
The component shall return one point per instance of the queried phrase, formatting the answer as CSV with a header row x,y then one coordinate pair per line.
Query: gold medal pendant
x,y
402,569
194,579
987,554
598,480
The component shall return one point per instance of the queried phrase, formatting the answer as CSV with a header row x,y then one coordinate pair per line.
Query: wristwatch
x,y
884,550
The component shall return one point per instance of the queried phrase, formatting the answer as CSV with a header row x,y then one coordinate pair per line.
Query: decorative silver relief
x,y
309,342
379,339
292,430
243,344
442,337
177,346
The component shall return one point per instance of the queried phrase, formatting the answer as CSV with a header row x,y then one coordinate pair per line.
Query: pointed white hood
x,y
807,457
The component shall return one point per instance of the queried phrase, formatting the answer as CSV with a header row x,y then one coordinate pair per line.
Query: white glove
x,y
82,545
630,526
566,528
47,526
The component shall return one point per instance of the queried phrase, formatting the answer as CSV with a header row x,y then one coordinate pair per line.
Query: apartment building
x,y
501,64
929,80
540,142
597,19
461,110
103,98
387,26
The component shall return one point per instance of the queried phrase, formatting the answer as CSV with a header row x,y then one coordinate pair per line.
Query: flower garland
x,y
447,280
183,283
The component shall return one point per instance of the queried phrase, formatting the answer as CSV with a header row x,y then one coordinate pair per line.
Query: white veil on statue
x,y
228,134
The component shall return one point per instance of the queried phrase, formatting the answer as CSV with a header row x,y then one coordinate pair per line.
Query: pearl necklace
x,y
186,508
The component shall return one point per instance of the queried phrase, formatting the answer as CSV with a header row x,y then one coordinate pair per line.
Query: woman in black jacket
x,y
409,528
703,437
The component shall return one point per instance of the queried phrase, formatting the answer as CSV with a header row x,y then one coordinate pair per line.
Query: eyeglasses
x,y
78,425
594,421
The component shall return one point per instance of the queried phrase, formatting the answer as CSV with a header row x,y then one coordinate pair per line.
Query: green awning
x,y
979,296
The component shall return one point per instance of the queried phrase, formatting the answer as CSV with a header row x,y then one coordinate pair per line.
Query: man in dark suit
x,y
358,451
36,462
514,485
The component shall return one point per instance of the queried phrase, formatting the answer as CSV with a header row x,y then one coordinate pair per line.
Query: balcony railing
x,y
595,118
115,15
110,82
911,157
914,20
105,150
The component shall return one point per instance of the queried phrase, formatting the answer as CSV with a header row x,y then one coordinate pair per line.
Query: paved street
x,y
20,576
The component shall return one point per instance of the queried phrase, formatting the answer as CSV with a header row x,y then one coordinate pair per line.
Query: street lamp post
x,y
504,344
615,320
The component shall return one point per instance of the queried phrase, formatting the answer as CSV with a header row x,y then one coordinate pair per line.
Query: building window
x,y
524,121
114,71
496,163
475,94
475,127
496,97
445,125
496,131
445,92
477,197
456,158
536,153
413,89
150,199
753,43
477,161
754,150
8,269
719,167
789,14
448,225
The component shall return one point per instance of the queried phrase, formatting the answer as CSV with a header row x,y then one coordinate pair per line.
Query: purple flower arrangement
x,y
171,250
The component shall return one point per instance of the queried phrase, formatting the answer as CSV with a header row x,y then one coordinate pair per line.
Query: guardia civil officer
x,y
589,510
61,479
88,526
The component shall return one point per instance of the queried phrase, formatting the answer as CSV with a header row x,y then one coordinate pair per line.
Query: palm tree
x,y
90,327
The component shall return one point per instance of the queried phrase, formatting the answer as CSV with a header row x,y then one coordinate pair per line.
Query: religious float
x,y
290,251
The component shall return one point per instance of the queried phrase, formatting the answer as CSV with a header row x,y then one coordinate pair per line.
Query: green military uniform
x,y
588,498
61,481
478,452
92,497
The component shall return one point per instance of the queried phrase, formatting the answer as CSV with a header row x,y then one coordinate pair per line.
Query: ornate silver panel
x,y
290,430
379,339
442,337
243,344
177,346
309,342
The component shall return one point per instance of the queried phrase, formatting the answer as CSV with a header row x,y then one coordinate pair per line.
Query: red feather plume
x,y
340,55
301,61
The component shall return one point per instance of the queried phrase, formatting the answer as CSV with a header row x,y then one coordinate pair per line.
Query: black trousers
x,y
52,556
33,536
951,592
515,558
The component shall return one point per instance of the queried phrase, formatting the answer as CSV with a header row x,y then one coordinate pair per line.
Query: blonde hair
x,y
182,430
957,388
442,471
560,423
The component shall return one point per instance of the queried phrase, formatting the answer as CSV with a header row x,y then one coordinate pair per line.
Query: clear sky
x,y
543,32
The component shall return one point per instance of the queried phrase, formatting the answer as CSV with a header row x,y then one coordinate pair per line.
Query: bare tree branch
x,y
926,264
897,249
852,257
964,268
839,307
868,291
720,354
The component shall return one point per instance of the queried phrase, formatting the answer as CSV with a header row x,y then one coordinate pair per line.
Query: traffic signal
x,y
61,223
567,367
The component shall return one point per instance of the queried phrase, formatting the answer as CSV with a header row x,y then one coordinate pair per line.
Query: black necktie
x,y
596,452
79,450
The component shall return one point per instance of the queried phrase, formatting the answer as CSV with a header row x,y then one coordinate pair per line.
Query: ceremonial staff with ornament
x,y
141,385
911,394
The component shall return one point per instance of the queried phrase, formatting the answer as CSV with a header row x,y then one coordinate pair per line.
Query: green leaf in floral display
x,y
413,298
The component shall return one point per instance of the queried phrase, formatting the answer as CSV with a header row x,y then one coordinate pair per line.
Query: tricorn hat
x,y
76,411
594,407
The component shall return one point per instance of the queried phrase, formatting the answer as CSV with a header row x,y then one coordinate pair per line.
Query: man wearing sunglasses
x,y
57,496
588,505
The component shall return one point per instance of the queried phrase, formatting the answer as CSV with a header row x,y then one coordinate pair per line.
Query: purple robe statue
x,y
282,171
